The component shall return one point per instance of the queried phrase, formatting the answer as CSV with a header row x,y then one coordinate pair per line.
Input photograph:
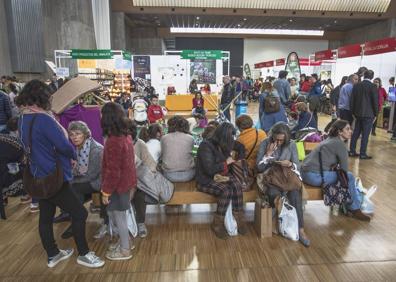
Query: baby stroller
x,y
139,106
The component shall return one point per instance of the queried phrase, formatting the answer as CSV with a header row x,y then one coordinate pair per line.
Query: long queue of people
x,y
87,167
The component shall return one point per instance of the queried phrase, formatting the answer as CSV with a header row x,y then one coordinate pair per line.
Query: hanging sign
x,y
380,46
323,55
62,72
246,68
91,54
86,64
267,64
293,65
349,51
201,54
127,56
279,62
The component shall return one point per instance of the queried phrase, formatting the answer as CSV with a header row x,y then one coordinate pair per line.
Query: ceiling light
x,y
245,19
335,21
197,18
247,31
291,20
239,25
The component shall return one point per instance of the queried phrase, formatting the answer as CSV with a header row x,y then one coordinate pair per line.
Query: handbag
x,y
45,187
239,169
337,193
282,178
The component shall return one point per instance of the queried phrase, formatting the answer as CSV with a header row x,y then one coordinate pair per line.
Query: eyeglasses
x,y
75,134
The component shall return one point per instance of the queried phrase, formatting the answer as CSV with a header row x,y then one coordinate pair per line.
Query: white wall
x,y
261,50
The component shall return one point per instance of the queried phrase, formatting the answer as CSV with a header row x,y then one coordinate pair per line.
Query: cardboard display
x,y
70,92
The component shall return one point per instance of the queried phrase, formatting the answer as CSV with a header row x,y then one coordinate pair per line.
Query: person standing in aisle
x,y
382,96
314,96
49,148
282,86
118,176
335,95
344,101
364,107
227,96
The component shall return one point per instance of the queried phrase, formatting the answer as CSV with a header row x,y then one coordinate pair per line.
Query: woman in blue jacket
x,y
305,118
267,120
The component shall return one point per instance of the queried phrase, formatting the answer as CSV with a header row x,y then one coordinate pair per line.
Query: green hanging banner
x,y
246,68
127,56
94,54
293,65
201,54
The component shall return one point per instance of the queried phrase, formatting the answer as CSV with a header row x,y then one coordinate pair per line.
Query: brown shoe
x,y
218,227
359,215
241,223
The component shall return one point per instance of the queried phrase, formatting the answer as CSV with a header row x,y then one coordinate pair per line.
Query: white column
x,y
101,19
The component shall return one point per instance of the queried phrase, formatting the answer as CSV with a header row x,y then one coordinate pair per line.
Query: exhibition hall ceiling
x,y
364,6
256,22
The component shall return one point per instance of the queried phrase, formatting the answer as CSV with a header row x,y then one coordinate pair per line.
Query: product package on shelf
x,y
102,76
121,83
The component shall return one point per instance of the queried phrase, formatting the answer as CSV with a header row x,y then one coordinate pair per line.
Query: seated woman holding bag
x,y
333,150
305,118
278,151
213,177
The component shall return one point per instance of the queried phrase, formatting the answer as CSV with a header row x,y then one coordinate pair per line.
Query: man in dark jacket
x,y
227,96
364,107
5,110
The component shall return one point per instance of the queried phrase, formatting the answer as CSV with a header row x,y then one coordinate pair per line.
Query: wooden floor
x,y
181,247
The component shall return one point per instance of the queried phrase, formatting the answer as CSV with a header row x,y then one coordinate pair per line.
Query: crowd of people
x,y
79,166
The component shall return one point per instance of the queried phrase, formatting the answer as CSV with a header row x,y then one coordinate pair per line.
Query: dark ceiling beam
x,y
127,7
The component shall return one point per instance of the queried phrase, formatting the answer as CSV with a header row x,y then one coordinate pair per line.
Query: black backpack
x,y
271,103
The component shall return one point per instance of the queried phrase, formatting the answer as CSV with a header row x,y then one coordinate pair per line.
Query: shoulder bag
x,y
337,193
45,187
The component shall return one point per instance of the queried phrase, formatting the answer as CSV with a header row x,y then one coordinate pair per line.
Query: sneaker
x,y
102,231
25,199
142,230
34,208
115,245
90,260
118,254
62,255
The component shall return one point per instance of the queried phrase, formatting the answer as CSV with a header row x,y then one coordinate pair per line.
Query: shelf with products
x,y
121,83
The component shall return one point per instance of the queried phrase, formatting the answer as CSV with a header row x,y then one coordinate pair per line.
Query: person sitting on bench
x,y
279,149
333,150
213,177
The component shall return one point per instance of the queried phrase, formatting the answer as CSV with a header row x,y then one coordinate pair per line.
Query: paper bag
x,y
262,219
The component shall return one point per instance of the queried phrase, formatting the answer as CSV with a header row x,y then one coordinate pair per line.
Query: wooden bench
x,y
186,193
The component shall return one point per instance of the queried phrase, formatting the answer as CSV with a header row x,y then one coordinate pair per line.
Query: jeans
x,y
363,126
294,198
68,202
346,115
180,176
119,219
330,177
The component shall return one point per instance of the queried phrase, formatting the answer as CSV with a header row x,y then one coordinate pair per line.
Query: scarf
x,y
83,157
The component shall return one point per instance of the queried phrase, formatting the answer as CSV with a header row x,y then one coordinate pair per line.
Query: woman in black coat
x,y
213,177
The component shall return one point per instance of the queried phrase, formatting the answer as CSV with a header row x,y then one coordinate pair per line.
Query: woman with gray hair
x,y
87,168
279,149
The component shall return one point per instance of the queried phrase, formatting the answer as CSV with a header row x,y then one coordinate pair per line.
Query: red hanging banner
x,y
323,55
380,46
349,51
264,65
279,62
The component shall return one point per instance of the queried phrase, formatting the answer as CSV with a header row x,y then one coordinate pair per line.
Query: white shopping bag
x,y
230,222
131,222
367,206
287,221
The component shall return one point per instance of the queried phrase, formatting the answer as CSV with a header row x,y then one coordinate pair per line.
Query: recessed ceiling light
x,y
291,20
247,31
197,18
335,21
239,25
245,19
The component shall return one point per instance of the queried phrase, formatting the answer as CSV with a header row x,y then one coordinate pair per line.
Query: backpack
x,y
271,104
